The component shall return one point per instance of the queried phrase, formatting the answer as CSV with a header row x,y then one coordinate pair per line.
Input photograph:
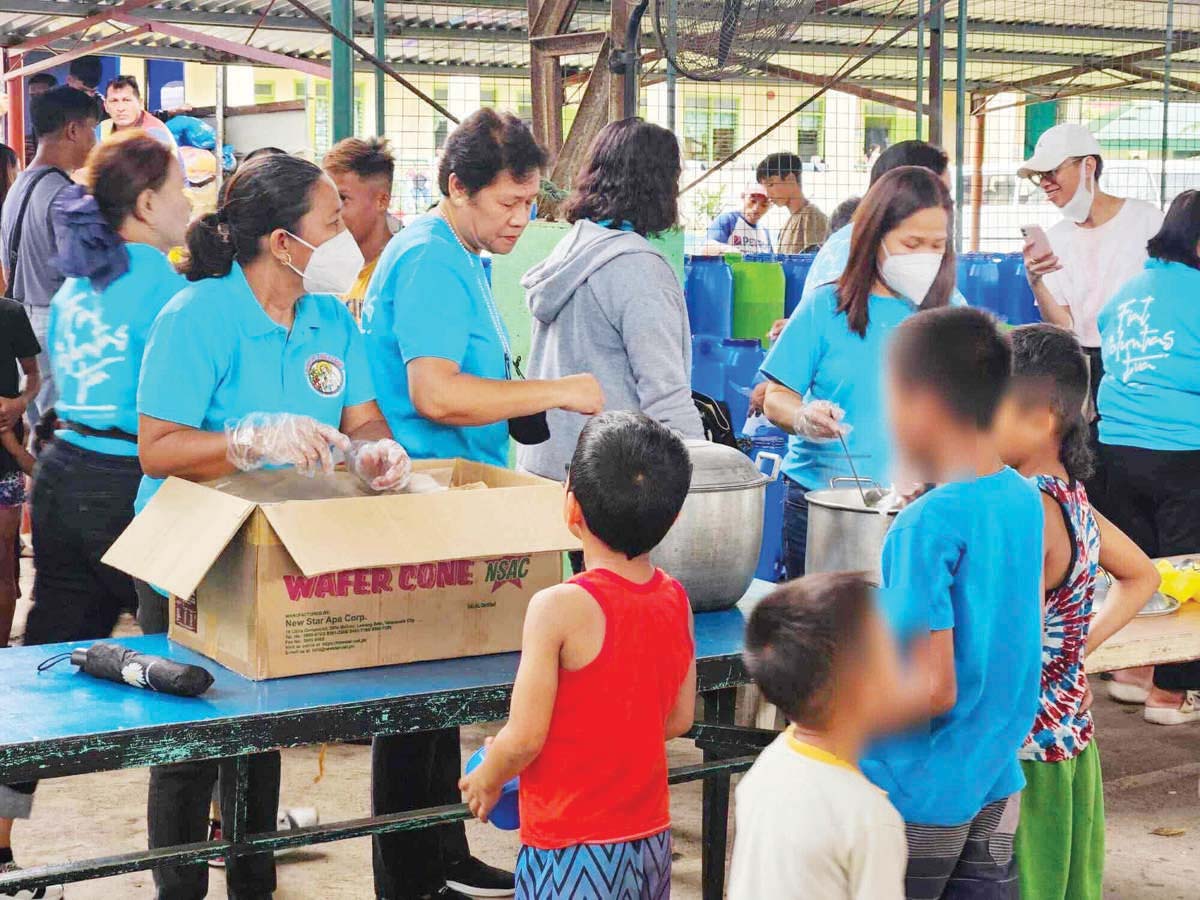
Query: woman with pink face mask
x,y
824,372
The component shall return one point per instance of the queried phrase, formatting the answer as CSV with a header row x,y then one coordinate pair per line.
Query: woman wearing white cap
x,y
1098,246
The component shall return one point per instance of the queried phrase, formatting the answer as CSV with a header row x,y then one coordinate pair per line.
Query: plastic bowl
x,y
506,815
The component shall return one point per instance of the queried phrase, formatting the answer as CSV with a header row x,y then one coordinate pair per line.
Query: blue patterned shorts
x,y
633,870
12,490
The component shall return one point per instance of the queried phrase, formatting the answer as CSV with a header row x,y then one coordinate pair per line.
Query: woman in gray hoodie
x,y
606,302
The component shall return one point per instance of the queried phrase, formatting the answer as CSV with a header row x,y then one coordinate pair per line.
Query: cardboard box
x,y
275,574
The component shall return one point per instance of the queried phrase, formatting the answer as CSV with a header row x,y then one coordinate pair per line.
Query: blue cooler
x,y
770,560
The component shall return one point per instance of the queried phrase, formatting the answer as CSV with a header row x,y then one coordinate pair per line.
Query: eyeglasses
x,y
1039,177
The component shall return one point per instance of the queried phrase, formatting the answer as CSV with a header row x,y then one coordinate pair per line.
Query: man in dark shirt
x,y
64,120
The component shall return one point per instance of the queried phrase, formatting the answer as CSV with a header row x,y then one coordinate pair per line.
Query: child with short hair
x,y
819,651
607,676
1042,433
962,577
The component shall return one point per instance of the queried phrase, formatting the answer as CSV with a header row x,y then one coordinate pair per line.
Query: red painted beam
x,y
88,49
233,48
15,118
106,13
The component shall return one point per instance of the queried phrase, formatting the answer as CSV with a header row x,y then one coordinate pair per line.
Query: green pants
x,y
1060,840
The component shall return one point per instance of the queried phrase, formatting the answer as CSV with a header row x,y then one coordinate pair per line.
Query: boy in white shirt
x,y
809,824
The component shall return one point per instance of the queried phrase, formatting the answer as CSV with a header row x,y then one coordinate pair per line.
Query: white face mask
x,y
1079,207
910,275
333,267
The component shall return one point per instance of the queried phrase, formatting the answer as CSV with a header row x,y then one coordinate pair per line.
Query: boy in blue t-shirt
x,y
962,572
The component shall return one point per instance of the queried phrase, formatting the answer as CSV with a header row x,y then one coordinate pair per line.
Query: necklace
x,y
476,264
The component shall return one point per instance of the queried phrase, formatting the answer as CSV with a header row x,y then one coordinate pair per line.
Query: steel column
x,y
937,24
1166,101
380,24
960,123
342,89
222,100
920,110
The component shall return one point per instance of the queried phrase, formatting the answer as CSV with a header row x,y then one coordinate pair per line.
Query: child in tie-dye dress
x,y
1042,433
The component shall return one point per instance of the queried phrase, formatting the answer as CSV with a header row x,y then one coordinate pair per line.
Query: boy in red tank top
x,y
607,676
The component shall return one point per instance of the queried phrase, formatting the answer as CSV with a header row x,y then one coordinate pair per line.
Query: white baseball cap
x,y
1057,145
754,189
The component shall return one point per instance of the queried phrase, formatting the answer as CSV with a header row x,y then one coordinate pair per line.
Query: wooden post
x,y
980,121
546,88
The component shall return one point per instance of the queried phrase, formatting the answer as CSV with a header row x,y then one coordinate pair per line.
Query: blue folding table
x,y
63,722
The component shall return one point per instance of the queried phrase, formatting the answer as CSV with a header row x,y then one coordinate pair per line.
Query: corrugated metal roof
x,y
1008,40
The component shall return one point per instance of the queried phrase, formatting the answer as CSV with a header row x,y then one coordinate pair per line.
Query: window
x,y
441,127
487,96
810,136
525,108
885,125
710,127
264,92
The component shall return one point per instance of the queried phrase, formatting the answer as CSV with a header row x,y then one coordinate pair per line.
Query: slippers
x,y
1123,692
1188,711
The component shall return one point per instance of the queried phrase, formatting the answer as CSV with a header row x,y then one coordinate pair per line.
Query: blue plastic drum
x,y
795,273
708,291
506,815
743,359
708,366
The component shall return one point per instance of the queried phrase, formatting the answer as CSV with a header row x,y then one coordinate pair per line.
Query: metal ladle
x,y
870,496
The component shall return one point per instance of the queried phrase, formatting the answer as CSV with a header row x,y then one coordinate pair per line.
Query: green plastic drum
x,y
759,286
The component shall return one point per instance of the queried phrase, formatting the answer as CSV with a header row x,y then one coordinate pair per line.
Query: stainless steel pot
x,y
713,549
844,535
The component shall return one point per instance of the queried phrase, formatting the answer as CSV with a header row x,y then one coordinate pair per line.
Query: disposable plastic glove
x,y
382,465
820,421
282,439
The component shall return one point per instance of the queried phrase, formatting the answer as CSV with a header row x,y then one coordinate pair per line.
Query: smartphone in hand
x,y
1036,240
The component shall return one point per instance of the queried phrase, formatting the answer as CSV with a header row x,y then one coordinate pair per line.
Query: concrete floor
x,y
1151,776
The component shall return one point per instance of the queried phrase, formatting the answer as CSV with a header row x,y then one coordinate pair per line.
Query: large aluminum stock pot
x,y
844,534
713,548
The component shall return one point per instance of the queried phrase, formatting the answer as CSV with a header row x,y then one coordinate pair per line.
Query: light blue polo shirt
x,y
966,556
96,341
214,355
1150,340
820,358
427,299
831,261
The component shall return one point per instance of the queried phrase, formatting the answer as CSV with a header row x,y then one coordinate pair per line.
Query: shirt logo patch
x,y
326,374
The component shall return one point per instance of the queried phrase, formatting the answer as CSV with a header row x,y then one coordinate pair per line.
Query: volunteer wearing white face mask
x,y
825,370
1098,246
254,364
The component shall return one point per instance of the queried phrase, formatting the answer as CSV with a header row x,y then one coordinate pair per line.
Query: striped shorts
x,y
633,870
973,861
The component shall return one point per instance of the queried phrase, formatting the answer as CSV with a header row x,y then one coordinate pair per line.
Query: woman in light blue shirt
x,y
113,235
825,371
1149,406
450,387
254,364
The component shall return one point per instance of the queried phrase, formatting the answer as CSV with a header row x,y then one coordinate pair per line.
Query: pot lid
x,y
716,467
